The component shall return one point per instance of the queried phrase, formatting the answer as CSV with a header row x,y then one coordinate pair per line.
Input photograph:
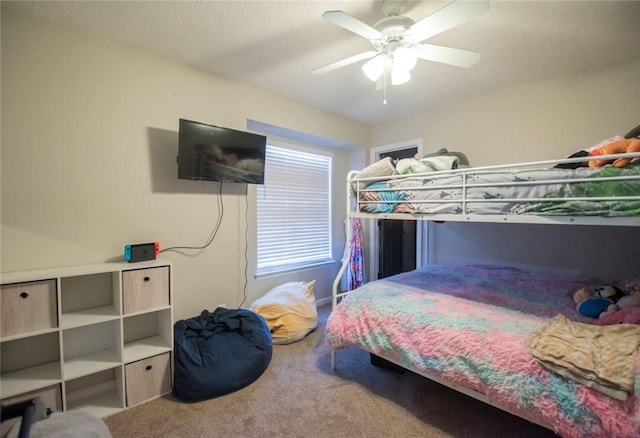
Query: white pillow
x,y
289,310
380,169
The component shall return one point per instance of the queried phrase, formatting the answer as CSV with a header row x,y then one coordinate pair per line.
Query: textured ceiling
x,y
275,44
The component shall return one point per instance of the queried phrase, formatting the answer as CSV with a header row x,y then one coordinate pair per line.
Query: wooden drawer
x,y
148,378
28,307
51,396
145,289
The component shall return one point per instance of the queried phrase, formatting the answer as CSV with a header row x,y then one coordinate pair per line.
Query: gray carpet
x,y
299,395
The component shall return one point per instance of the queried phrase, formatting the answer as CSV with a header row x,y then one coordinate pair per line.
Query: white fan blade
x,y
446,18
354,25
344,62
447,55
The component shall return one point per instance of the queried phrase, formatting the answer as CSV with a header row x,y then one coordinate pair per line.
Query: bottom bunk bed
x,y
504,336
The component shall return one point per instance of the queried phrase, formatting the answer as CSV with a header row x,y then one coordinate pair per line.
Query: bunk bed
x,y
485,330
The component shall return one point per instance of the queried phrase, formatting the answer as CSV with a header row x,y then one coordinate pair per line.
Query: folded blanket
x,y
429,164
600,357
384,201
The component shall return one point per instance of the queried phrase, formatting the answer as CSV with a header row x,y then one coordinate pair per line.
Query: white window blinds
x,y
294,211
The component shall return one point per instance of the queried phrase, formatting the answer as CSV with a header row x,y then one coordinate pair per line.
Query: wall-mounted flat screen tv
x,y
213,153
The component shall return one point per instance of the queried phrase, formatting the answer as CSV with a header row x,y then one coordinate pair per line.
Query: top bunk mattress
x,y
607,191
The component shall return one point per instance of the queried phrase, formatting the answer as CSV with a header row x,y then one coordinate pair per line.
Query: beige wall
x,y
543,120
540,121
89,138
89,142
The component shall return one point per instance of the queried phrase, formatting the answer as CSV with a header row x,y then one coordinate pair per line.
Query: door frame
x,y
374,156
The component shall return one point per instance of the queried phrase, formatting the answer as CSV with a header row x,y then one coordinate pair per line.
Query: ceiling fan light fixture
x,y
405,58
399,75
374,68
397,40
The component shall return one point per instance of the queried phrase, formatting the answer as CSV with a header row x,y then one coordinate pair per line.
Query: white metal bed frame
x,y
353,211
353,201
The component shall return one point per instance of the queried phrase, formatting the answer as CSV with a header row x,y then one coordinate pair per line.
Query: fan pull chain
x,y
384,100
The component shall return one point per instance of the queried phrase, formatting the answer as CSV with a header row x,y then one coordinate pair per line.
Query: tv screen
x,y
212,153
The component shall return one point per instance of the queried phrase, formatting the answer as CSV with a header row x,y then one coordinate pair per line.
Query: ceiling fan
x,y
397,40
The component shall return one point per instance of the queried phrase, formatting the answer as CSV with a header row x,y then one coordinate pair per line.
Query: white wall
x,y
89,138
545,120
607,253
89,142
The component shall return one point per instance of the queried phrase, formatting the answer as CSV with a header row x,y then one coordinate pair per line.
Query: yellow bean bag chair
x,y
289,310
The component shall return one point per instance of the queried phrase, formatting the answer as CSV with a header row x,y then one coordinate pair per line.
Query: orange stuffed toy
x,y
617,147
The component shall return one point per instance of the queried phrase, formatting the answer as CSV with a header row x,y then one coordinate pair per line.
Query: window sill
x,y
286,271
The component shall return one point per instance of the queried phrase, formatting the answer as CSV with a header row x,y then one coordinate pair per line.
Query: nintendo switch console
x,y
141,252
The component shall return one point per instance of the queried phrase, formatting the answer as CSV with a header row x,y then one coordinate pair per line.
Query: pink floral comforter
x,y
470,325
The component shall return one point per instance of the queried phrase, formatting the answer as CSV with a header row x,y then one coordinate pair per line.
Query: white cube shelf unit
x,y
95,337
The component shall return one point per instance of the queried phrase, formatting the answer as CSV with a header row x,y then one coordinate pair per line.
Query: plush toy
x,y
633,287
629,301
612,293
616,147
626,310
581,295
589,304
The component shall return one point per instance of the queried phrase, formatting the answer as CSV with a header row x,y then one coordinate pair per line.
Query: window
x,y
294,211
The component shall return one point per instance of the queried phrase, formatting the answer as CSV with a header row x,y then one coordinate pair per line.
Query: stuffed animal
x,y
629,301
589,304
581,295
633,287
626,310
612,293
616,147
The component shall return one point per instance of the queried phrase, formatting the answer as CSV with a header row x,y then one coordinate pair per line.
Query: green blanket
x,y
593,189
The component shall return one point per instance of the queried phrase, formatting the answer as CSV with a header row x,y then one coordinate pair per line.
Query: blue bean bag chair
x,y
218,353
